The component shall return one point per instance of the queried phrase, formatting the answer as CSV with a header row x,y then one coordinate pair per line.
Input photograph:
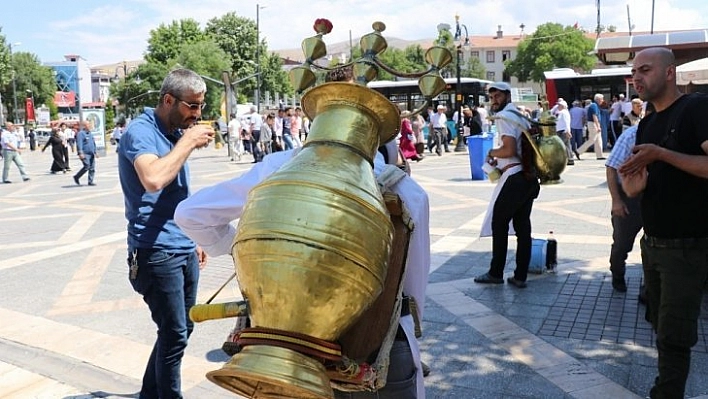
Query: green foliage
x,y
30,75
110,115
237,37
473,68
165,41
207,59
53,110
551,46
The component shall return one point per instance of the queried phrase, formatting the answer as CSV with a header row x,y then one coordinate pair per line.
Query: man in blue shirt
x,y
163,262
86,149
594,128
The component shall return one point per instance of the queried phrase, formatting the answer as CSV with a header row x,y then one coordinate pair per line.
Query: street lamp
x,y
116,79
460,147
14,88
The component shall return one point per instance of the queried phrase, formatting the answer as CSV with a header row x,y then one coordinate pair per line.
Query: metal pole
x,y
258,59
14,87
2,113
652,17
460,146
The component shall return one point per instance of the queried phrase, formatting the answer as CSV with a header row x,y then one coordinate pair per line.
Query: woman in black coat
x,y
57,144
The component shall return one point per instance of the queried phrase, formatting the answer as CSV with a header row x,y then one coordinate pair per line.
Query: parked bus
x,y
567,84
406,93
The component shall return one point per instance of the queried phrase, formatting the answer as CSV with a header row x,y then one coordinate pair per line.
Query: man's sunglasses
x,y
191,106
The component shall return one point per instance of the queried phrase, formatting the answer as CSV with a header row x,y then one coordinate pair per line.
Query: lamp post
x,y
14,85
116,79
460,146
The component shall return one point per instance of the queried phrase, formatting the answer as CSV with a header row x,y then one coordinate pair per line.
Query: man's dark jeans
x,y
624,232
675,278
513,204
168,283
400,381
89,165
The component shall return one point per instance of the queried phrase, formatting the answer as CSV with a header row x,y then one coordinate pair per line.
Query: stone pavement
x,y
73,328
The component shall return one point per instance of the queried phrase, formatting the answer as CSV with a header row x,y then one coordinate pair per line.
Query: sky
x,y
107,32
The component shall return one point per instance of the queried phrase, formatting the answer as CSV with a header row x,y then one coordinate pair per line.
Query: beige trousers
x,y
594,139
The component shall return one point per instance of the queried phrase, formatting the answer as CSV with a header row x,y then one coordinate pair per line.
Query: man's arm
x,y
619,208
79,145
645,154
206,216
156,173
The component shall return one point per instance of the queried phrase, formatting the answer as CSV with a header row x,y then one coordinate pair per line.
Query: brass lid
x,y
386,114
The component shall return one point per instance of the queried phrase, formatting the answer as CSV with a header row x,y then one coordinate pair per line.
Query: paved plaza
x,y
72,327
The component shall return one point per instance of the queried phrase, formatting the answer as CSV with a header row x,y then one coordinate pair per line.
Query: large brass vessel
x,y
551,154
313,242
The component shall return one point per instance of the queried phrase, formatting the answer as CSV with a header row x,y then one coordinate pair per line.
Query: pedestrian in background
x,y
163,263
86,149
12,153
57,144
513,195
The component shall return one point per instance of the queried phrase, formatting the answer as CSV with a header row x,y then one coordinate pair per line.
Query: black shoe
x,y
92,184
571,162
6,181
516,283
76,180
26,179
618,284
577,154
601,158
642,297
486,278
426,369
53,172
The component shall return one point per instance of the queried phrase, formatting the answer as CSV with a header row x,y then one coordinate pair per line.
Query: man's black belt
x,y
676,243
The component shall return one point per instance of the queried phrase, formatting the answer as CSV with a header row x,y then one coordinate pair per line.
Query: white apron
x,y
486,230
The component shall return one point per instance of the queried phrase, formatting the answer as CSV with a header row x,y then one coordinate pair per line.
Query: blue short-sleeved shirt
x,y
151,215
593,109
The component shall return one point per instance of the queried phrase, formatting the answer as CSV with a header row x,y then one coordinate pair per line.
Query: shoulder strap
x,y
669,141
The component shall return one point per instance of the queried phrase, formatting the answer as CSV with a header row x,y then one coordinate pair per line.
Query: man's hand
x,y
82,156
634,184
201,257
619,209
199,135
643,155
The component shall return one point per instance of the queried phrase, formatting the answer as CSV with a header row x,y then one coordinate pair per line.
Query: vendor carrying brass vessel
x,y
314,269
314,238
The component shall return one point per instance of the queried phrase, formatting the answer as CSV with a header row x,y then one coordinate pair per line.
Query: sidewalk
x,y
75,329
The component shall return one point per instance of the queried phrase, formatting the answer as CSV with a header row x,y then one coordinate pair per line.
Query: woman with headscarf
x,y
407,141
58,144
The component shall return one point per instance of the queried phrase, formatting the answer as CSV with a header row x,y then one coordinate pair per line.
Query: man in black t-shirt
x,y
669,166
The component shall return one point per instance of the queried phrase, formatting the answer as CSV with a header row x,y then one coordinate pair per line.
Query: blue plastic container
x,y
478,147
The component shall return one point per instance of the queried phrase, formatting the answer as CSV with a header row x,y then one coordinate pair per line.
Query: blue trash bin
x,y
478,147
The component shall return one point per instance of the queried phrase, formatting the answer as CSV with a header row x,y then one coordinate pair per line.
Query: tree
x,y
165,41
447,40
473,68
29,75
551,46
110,115
237,37
207,59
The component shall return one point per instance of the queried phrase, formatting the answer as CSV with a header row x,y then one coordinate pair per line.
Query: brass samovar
x,y
551,154
314,238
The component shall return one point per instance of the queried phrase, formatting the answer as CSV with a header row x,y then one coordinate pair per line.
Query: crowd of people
x,y
659,160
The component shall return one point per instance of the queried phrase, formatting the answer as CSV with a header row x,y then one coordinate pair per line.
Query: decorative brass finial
x,y
366,68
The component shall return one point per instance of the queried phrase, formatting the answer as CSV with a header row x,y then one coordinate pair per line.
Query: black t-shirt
x,y
675,203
